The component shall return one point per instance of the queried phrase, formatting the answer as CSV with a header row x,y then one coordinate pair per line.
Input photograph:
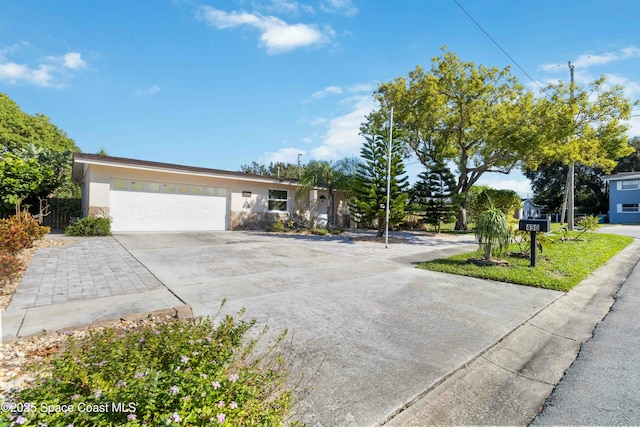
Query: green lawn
x,y
560,266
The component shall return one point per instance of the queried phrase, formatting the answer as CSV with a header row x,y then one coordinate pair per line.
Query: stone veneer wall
x,y
102,211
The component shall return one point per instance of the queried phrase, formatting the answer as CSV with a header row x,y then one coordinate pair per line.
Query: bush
x,y
13,235
278,224
90,226
33,227
320,231
186,372
9,267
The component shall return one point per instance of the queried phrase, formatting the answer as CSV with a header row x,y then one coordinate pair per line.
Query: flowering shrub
x,y
180,372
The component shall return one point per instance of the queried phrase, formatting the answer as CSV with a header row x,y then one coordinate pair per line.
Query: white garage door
x,y
157,206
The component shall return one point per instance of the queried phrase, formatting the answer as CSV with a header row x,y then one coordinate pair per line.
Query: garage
x,y
141,195
138,205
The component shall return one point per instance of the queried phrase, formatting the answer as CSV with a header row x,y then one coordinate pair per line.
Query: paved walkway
x,y
88,281
88,269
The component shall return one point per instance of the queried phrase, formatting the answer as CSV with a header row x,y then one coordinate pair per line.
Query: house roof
x,y
96,159
621,176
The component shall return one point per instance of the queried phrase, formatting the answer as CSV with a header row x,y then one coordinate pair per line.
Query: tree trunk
x,y
461,222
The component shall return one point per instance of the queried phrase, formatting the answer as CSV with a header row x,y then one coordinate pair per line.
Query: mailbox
x,y
542,225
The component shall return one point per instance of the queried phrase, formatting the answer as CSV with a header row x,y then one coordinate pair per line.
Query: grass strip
x,y
560,266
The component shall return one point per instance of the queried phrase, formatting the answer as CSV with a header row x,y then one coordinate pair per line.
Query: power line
x,y
498,45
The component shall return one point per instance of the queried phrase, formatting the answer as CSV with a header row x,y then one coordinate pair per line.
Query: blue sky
x,y
222,83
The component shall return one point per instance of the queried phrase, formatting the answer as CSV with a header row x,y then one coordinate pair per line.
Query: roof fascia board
x,y
183,172
620,178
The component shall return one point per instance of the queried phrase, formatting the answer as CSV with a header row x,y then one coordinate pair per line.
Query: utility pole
x,y
571,175
299,155
386,238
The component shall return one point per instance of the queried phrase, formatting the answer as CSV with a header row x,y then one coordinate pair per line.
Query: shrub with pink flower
x,y
218,373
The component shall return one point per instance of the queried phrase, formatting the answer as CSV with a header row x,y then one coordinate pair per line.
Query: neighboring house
x,y
624,197
140,195
528,210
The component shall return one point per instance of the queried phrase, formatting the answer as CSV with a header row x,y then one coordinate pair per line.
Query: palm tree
x,y
492,232
328,175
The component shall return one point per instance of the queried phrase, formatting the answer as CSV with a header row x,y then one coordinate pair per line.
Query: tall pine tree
x,y
368,204
433,194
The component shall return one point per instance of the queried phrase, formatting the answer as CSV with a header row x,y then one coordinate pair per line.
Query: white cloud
x,y
46,75
285,155
73,61
277,35
587,60
343,6
343,136
12,73
317,121
337,90
329,90
283,6
515,181
148,92
362,87
11,49
634,124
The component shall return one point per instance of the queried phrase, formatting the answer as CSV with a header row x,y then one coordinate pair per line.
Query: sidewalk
x,y
508,384
601,387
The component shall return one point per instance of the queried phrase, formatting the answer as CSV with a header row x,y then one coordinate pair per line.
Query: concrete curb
x,y
509,382
178,312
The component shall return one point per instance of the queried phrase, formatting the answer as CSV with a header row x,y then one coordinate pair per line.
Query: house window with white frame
x,y
630,184
628,208
278,200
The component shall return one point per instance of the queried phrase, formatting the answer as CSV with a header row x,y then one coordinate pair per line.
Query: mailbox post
x,y
534,226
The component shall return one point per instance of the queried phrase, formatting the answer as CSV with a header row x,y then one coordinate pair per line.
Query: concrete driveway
x,y
379,332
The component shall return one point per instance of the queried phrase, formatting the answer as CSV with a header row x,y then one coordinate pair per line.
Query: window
x,y
629,207
137,186
169,188
630,184
278,200
196,189
183,189
153,186
119,184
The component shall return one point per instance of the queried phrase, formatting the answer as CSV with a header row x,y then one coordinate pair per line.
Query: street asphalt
x,y
601,387
387,343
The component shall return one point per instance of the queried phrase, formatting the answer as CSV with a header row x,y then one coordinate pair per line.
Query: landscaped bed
x,y
560,266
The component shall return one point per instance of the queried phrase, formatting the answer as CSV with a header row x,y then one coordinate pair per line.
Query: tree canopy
x,y
275,170
476,117
583,125
483,120
35,157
